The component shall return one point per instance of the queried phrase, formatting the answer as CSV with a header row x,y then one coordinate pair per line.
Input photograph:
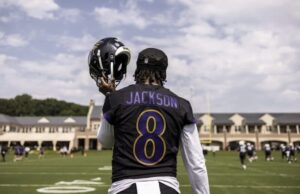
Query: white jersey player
x,y
242,150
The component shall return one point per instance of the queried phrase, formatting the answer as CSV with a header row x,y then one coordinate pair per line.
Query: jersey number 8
x,y
151,126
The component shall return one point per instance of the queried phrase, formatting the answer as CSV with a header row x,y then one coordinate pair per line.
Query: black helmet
x,y
109,59
152,58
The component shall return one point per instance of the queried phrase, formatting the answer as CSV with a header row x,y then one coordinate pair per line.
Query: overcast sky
x,y
224,56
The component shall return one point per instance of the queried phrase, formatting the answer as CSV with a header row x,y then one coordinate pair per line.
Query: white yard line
x,y
257,186
179,174
215,186
54,173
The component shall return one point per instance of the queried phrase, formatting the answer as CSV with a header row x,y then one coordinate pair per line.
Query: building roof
x,y
96,113
286,118
7,119
44,120
253,118
219,118
222,118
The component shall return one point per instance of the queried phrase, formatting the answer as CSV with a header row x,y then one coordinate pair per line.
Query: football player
x,y
268,152
290,153
298,148
242,149
3,152
146,124
283,151
18,152
250,152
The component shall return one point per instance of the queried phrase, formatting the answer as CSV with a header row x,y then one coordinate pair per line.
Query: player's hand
x,y
106,85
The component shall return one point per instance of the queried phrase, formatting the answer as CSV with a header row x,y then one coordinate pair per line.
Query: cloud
x,y
13,40
201,28
60,76
244,55
113,17
37,9
5,59
237,49
75,44
72,15
9,18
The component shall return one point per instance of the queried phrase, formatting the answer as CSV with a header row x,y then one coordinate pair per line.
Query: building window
x,y
40,130
66,129
13,129
270,128
53,130
96,126
293,128
220,128
251,128
82,129
207,128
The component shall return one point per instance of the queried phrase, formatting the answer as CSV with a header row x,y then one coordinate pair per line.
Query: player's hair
x,y
141,75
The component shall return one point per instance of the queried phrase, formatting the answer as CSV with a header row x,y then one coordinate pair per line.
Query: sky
x,y
224,56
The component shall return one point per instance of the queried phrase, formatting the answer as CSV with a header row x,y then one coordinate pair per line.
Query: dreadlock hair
x,y
141,75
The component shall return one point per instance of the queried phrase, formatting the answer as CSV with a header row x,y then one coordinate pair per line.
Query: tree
x,y
25,105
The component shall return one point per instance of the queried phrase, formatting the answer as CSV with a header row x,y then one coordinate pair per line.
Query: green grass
x,y
225,174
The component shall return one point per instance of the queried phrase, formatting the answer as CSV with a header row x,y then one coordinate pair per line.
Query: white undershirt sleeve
x,y
105,134
194,161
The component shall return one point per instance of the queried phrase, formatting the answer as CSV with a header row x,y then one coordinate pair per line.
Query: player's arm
x,y
105,134
193,159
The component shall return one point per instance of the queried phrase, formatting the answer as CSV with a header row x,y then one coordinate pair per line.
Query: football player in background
x,y
298,148
290,153
250,152
146,123
19,150
243,151
3,150
268,152
283,151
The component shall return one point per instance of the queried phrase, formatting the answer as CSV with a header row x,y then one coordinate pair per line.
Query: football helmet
x,y
108,61
152,58
241,142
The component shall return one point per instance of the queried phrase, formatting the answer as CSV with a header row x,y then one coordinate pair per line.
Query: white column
x,y
225,137
39,144
247,129
215,129
297,129
99,146
278,129
54,145
86,143
71,145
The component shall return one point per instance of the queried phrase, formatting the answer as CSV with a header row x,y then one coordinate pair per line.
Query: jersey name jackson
x,y
151,98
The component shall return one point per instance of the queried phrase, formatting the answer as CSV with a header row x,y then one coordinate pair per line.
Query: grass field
x,y
56,174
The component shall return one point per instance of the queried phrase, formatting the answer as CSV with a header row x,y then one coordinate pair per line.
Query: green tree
x,y
25,105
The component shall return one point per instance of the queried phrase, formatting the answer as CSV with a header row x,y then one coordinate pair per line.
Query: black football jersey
x,y
147,121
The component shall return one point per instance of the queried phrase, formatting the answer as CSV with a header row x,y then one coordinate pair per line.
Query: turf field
x,y
91,174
